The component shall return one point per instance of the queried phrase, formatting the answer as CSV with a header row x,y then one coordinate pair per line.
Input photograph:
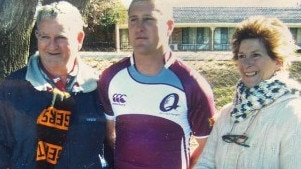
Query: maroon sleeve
x,y
201,106
200,100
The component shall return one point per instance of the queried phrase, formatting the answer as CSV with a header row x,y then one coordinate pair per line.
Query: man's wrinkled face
x,y
58,44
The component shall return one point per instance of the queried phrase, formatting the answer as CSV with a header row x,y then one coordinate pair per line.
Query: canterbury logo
x,y
119,98
169,102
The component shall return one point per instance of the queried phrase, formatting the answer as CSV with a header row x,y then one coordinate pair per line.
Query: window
x,y
200,35
185,35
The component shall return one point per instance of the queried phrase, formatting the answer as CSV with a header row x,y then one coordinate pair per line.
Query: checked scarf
x,y
248,100
52,126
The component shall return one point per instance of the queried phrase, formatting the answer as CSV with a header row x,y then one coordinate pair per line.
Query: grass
x,y
295,70
221,74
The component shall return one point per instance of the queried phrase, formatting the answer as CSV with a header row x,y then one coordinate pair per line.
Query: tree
x,y
101,19
17,21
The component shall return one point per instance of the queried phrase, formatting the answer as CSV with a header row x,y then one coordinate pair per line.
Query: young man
x,y
50,116
153,101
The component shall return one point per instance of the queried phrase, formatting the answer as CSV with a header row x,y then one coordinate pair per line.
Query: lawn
x,y
221,74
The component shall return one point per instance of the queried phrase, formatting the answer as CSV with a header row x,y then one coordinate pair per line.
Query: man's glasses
x,y
237,139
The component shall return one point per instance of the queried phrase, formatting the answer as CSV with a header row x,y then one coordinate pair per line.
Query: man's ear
x,y
170,25
80,39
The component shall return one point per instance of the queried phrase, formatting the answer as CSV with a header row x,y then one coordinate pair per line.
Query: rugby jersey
x,y
155,115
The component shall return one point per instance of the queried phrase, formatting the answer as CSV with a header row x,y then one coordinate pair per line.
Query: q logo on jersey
x,y
119,98
169,102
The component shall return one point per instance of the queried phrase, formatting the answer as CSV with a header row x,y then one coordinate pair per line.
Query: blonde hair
x,y
162,6
273,33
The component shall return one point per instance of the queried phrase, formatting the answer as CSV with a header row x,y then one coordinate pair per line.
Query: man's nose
x,y
53,43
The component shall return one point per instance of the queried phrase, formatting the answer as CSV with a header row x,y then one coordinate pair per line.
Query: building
x,y
211,28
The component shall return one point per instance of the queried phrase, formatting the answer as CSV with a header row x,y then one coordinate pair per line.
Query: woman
x,y
261,129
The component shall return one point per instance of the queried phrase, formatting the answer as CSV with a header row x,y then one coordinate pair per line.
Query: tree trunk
x,y
17,21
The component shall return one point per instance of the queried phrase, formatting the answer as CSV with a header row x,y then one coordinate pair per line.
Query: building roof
x,y
234,14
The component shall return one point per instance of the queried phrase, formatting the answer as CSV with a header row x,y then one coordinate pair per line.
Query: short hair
x,y
163,6
274,34
61,9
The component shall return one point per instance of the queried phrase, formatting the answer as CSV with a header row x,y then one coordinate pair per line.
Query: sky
x,y
231,3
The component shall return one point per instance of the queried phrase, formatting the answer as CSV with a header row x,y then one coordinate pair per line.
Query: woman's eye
x,y
241,56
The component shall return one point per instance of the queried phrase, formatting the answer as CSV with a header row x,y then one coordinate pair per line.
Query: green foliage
x,y
105,13
101,17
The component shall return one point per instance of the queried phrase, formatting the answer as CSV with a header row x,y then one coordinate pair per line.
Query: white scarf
x,y
247,100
